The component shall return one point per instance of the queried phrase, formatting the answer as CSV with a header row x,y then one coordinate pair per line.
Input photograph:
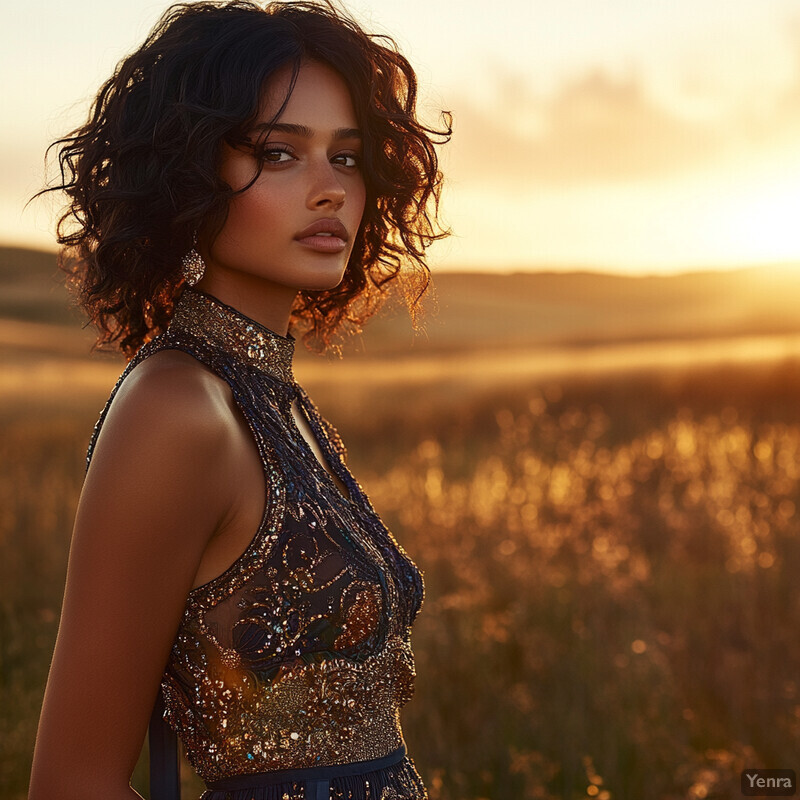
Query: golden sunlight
x,y
761,222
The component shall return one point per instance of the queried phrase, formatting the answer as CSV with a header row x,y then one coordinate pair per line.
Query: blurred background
x,y
591,451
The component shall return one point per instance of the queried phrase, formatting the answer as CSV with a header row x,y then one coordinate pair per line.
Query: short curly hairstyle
x,y
141,174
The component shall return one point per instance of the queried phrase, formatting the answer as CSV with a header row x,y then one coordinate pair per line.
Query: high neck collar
x,y
207,317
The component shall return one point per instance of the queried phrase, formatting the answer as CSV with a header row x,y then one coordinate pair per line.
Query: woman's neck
x,y
264,301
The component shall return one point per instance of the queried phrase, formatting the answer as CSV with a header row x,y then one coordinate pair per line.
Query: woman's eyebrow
x,y
305,131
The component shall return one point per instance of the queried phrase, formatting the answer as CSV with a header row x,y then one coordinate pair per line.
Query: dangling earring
x,y
193,265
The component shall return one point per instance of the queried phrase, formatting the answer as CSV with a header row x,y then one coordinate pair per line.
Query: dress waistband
x,y
316,779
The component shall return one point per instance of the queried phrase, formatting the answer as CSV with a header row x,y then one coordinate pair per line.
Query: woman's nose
x,y
326,188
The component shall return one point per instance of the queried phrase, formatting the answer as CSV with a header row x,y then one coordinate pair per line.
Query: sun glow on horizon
x,y
761,222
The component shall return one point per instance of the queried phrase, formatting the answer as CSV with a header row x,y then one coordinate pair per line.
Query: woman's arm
x,y
157,490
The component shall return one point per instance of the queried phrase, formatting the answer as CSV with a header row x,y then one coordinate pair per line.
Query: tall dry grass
x,y
611,595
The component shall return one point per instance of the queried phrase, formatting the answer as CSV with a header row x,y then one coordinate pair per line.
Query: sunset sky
x,y
624,135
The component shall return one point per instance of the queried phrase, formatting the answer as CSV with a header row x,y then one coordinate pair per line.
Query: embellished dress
x,y
288,670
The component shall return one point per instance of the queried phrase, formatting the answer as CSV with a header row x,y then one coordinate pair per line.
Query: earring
x,y
193,265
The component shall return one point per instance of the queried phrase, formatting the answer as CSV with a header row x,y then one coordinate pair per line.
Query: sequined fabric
x,y
299,654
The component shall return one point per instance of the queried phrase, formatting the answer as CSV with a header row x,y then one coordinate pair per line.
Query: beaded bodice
x,y
299,654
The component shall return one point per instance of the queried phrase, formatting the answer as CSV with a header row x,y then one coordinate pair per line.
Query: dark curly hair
x,y
141,172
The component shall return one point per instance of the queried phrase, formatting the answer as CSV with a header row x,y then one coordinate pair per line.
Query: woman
x,y
246,171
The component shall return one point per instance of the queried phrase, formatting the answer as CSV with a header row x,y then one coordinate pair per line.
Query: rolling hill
x,y
485,311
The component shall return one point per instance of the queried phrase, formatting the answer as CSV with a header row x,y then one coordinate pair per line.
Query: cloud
x,y
600,129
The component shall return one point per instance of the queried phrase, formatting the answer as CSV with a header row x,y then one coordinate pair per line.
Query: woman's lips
x,y
327,235
323,243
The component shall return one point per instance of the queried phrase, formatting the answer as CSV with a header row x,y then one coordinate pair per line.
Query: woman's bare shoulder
x,y
170,423
175,395
178,378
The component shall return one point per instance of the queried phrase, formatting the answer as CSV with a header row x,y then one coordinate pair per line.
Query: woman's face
x,y
296,225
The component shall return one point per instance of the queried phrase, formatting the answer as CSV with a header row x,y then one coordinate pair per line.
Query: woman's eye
x,y
275,155
347,159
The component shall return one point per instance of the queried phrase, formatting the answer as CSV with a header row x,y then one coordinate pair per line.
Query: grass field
x,y
610,564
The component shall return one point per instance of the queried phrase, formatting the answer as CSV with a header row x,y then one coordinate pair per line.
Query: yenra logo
x,y
769,783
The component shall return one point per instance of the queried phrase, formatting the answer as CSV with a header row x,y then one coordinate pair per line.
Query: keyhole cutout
x,y
308,435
